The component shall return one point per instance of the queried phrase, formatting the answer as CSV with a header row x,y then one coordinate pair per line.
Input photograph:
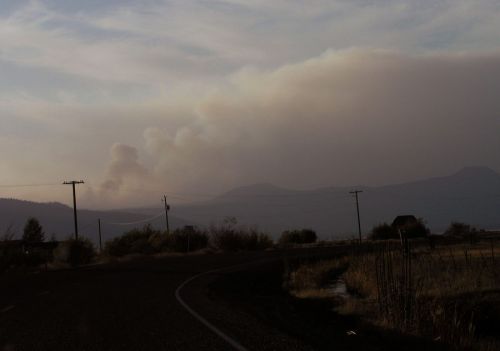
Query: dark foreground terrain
x,y
133,306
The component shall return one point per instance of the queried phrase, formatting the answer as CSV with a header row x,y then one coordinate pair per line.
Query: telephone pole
x,y
167,208
73,183
100,236
356,192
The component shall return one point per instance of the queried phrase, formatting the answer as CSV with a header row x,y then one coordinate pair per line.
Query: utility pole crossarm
x,y
71,182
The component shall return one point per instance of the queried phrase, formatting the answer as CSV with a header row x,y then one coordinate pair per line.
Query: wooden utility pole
x,y
356,192
167,208
73,183
100,236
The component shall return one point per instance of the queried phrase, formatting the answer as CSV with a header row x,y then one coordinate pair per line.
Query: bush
x,y
462,230
302,236
228,238
187,239
383,231
75,252
416,230
136,241
148,241
459,229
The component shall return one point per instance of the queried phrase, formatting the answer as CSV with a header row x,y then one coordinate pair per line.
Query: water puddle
x,y
338,288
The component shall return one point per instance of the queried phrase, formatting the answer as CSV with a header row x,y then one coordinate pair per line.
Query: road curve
x,y
237,302
134,305
217,331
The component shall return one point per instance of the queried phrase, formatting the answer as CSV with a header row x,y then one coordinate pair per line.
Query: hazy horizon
x,y
142,98
181,199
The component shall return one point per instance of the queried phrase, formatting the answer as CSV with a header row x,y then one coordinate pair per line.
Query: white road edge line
x,y
195,314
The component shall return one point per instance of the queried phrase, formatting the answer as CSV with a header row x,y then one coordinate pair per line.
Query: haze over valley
x,y
471,195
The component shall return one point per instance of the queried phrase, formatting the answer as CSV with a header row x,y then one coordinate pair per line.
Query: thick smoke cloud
x,y
126,180
124,165
344,118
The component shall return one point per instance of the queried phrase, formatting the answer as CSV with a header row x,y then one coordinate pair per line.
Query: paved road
x,y
133,306
126,306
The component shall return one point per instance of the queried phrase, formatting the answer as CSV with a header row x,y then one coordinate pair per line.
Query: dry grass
x,y
448,293
437,273
309,280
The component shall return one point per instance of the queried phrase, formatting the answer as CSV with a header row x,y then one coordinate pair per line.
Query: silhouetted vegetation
x,y
449,293
383,231
226,237
15,254
11,252
301,236
135,241
460,229
8,234
188,239
410,230
417,230
75,252
185,239
33,231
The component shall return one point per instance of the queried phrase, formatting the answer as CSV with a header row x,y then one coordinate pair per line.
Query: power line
x,y
136,222
28,185
190,196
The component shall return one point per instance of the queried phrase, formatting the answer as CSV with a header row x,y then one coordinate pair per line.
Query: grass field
x,y
449,293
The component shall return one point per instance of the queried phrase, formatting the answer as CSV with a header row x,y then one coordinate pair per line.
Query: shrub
x,y
459,229
228,238
75,252
9,234
225,237
302,236
142,241
187,239
462,230
416,230
383,231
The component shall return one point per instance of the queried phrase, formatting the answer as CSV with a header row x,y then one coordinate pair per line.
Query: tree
x,y
458,229
33,231
298,236
416,230
462,230
383,231
412,229
8,234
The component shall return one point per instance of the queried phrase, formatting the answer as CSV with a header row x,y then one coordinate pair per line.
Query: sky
x,y
141,98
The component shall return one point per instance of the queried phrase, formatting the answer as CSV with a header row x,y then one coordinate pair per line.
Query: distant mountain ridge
x,y
471,195
57,219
